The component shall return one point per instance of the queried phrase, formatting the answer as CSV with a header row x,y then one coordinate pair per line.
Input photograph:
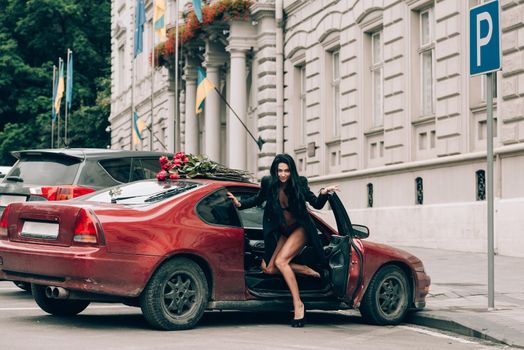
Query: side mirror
x,y
360,231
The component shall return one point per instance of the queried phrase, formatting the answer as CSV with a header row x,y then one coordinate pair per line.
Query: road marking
x,y
438,335
37,308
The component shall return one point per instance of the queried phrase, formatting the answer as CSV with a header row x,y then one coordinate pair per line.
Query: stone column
x,y
214,59
237,133
242,38
191,126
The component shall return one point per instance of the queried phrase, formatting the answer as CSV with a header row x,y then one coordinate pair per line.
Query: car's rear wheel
x,y
23,285
57,307
176,296
387,297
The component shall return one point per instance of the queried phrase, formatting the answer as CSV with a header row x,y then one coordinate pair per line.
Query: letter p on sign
x,y
484,38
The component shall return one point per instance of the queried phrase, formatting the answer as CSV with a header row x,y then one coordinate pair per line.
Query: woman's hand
x,y
234,199
329,189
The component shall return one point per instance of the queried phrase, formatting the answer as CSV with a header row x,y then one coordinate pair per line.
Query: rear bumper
x,y
89,269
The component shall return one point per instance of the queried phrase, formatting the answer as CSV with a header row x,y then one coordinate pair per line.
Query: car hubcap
x,y
179,294
390,296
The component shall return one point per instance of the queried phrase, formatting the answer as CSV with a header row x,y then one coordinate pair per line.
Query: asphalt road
x,y
115,326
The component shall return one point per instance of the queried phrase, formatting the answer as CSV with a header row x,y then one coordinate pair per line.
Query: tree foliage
x,y
33,34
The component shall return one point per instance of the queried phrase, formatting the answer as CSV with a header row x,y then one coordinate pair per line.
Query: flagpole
x,y
152,77
65,115
259,142
53,108
177,116
58,112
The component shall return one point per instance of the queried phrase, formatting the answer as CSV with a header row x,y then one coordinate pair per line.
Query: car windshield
x,y
46,170
141,192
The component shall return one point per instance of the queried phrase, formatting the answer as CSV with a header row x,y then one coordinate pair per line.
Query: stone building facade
x,y
372,95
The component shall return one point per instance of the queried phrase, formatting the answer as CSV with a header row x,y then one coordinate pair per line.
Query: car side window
x,y
93,175
217,209
118,168
137,171
251,217
150,166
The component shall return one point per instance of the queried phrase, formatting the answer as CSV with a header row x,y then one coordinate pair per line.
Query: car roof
x,y
83,153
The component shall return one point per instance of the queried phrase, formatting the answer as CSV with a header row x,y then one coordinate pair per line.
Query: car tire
x,y
176,296
387,297
23,285
57,307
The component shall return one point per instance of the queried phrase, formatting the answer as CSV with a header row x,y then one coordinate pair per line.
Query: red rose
x,y
161,175
166,166
163,160
178,162
186,159
179,155
174,176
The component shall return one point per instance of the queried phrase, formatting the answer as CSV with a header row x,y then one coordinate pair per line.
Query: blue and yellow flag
x,y
204,86
159,13
197,7
140,20
59,87
138,126
69,80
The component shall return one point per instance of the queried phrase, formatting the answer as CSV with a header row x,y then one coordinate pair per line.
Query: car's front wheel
x,y
57,307
176,296
387,297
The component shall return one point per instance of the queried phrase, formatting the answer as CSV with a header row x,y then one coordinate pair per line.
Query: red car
x,y
178,248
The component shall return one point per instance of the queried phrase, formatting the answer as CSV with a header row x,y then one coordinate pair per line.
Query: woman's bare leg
x,y
271,269
292,246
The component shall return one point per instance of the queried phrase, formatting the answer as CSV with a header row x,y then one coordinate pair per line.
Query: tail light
x,y
85,228
60,193
3,223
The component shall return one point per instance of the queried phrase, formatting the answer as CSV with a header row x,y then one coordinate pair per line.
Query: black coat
x,y
274,216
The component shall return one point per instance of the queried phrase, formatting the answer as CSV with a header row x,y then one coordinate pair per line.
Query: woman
x,y
287,225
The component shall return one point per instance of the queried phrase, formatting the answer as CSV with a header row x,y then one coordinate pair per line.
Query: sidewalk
x,y
458,296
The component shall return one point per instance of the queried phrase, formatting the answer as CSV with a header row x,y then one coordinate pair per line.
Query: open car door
x,y
339,253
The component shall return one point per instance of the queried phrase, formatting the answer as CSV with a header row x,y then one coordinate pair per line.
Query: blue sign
x,y
484,38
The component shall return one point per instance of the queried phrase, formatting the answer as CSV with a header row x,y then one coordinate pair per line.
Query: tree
x,y
33,34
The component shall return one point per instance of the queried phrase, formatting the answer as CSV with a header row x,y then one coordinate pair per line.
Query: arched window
x,y
419,191
370,195
481,184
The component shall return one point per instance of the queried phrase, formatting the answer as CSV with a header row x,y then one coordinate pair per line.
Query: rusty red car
x,y
180,247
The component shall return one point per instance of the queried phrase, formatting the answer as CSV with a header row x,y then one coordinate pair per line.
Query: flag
x,y
59,87
197,7
159,19
204,86
138,126
69,80
55,85
140,20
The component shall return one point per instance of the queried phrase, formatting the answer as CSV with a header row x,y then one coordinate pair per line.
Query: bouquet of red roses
x,y
191,166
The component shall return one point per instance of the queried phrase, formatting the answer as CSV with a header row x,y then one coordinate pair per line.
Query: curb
x,y
445,323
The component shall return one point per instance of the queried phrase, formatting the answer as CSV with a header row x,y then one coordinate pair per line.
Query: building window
x,y
302,105
419,191
121,68
427,61
370,195
377,79
481,184
335,92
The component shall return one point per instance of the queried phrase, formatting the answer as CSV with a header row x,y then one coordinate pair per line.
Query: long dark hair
x,y
296,199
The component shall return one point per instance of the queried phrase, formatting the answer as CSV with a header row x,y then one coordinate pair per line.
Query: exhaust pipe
x,y
53,292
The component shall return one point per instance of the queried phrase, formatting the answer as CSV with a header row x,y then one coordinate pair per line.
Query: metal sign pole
x,y
491,253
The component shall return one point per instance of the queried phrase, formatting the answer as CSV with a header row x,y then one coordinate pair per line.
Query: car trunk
x,y
51,225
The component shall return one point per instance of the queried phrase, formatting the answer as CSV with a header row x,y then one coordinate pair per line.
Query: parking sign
x,y
484,38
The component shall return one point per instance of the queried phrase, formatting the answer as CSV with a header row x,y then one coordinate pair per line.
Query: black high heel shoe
x,y
301,322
